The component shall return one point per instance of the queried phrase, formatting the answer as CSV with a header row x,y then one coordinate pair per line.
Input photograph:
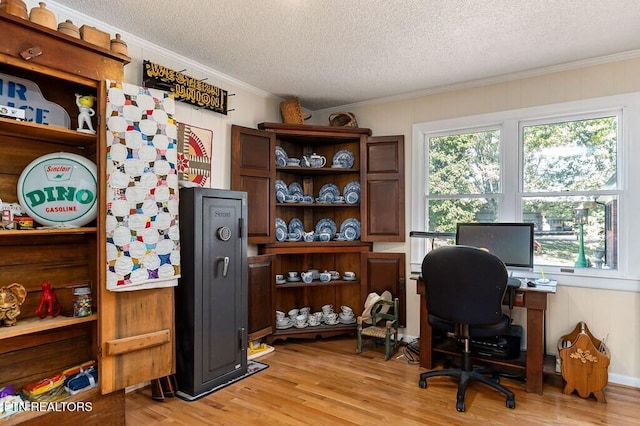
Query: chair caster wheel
x,y
460,406
511,403
422,383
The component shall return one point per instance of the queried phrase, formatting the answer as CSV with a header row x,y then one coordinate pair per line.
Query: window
x,y
557,166
463,179
570,189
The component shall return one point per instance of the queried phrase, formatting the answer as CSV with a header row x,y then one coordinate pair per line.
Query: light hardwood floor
x,y
324,382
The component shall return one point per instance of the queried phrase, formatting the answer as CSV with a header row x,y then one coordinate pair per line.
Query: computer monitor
x,y
510,242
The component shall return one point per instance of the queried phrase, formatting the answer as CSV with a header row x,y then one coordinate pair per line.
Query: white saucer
x,y
293,279
332,323
302,326
284,327
349,279
337,166
338,202
281,281
349,321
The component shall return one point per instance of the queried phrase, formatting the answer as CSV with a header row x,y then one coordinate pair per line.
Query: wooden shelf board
x,y
315,170
317,205
317,283
35,325
48,231
53,134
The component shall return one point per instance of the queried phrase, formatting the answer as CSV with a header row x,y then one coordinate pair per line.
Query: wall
x,y
608,313
250,105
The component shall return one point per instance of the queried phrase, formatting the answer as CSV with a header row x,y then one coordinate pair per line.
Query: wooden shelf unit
x,y
379,169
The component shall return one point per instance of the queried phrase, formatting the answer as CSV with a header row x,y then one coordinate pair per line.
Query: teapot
x,y
314,160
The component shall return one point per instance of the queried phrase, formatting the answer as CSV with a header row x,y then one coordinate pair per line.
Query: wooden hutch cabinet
x,y
378,167
130,334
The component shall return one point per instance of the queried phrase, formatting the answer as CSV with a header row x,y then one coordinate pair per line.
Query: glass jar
x,y
82,301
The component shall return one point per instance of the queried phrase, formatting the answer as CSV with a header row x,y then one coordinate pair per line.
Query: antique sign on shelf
x,y
185,88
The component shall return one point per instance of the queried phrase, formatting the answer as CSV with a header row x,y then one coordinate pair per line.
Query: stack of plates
x,y
350,229
281,190
296,227
328,193
326,225
343,159
281,156
351,192
281,229
295,189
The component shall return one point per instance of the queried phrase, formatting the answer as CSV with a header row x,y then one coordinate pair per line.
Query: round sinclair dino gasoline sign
x,y
59,190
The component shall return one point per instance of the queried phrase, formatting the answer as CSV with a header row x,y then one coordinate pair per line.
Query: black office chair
x,y
464,288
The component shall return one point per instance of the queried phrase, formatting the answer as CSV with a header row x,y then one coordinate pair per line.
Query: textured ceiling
x,y
336,52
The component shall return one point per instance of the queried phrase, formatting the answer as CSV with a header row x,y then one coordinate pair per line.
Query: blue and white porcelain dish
x,y
329,188
352,197
345,158
296,189
281,156
296,224
352,186
326,225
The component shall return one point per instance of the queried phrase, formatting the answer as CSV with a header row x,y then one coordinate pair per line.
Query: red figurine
x,y
48,299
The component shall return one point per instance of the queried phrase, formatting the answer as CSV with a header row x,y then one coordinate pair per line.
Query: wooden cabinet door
x,y
382,184
253,170
385,272
261,286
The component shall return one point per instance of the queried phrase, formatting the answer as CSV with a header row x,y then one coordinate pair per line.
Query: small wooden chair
x,y
382,310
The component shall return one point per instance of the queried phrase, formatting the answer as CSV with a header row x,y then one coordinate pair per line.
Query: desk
x,y
534,299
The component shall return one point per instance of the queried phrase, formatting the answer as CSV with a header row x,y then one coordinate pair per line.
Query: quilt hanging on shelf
x,y
194,155
143,238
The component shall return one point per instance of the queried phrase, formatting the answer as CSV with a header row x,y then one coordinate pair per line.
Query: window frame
x,y
625,277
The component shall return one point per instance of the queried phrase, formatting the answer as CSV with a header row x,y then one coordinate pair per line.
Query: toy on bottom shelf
x,y
11,298
85,105
48,302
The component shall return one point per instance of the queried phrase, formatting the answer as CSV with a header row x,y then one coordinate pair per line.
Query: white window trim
x,y
627,276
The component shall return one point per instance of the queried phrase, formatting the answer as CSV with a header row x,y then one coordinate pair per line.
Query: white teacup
x,y
292,274
349,274
331,318
327,309
325,236
313,321
346,316
279,315
293,313
346,309
325,277
279,277
305,310
317,315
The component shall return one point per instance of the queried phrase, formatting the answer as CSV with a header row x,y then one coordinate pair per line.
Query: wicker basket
x,y
291,112
343,119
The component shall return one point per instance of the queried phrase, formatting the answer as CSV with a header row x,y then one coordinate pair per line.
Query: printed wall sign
x,y
185,88
59,190
24,94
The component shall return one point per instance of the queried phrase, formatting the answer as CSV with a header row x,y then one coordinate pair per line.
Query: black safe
x,y
211,296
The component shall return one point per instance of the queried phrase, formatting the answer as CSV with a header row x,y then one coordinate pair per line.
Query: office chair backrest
x,y
464,285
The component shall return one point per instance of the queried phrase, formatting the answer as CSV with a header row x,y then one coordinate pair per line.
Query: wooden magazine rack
x,y
585,362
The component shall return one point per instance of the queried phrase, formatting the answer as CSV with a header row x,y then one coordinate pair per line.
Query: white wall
x,y
612,314
615,314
